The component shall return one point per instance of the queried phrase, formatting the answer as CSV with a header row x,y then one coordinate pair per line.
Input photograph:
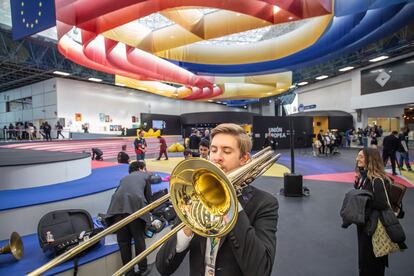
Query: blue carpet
x,y
34,258
99,180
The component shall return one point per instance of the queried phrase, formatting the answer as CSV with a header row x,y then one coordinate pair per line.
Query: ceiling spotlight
x,y
378,58
410,61
61,73
245,106
346,68
95,79
321,77
269,93
120,84
210,101
292,86
303,83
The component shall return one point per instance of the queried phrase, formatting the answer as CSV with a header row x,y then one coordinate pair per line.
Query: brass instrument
x,y
15,246
203,196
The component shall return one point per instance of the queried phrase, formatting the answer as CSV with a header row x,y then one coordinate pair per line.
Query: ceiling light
x,y
346,68
377,71
210,101
276,9
290,17
269,93
245,106
410,61
219,102
303,83
120,84
378,58
292,86
321,77
61,73
95,79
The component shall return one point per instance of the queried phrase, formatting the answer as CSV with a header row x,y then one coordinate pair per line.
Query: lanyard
x,y
212,249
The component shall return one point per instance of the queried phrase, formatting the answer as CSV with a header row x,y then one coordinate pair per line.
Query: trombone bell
x,y
15,246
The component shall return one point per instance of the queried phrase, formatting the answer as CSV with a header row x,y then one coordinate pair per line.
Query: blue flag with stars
x,y
31,16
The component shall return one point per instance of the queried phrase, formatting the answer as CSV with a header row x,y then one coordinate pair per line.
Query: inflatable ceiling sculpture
x,y
172,61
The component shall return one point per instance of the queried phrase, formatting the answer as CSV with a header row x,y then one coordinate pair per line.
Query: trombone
x,y
203,196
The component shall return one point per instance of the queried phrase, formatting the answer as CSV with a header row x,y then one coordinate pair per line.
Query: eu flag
x,y
31,16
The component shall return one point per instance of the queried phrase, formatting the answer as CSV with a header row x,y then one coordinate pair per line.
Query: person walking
x,y
163,148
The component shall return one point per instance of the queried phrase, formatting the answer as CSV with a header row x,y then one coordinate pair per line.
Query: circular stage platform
x,y
33,168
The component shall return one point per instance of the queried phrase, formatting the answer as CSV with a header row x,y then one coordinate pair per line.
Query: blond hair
x,y
374,164
243,140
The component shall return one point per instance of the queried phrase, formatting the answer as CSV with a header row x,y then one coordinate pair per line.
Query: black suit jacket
x,y
390,144
249,249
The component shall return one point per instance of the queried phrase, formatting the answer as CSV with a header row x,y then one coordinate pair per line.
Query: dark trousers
x,y
48,137
369,265
163,151
389,155
59,132
134,230
404,157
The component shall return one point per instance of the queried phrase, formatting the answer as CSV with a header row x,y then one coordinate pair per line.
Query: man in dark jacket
x,y
132,194
249,248
123,157
390,147
404,150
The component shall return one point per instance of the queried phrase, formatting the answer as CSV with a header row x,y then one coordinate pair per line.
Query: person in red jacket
x,y
163,148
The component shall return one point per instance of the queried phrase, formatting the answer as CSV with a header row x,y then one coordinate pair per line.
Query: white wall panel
x,y
3,118
38,113
18,115
388,98
2,107
26,91
38,100
49,85
10,117
37,88
334,94
14,94
50,98
50,112
120,104
27,115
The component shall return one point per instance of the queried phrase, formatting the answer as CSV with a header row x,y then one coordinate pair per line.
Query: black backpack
x,y
59,231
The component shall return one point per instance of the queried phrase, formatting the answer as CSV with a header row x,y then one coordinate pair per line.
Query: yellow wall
x,y
323,125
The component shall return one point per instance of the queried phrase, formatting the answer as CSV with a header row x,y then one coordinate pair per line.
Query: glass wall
x,y
388,124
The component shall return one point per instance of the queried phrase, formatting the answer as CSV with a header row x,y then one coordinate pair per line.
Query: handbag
x,y
381,242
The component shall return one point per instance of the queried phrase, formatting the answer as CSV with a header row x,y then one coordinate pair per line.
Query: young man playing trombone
x,y
249,248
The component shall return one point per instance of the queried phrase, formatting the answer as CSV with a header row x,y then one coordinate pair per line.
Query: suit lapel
x,y
247,194
203,241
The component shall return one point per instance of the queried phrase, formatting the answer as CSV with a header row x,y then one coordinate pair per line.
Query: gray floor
x,y
311,240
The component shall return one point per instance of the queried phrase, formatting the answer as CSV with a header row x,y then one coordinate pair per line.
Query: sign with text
x,y
278,127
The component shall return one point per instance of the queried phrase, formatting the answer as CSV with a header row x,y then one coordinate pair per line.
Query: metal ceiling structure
x,y
35,59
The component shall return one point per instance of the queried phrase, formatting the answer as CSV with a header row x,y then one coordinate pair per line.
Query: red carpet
x,y
349,178
336,177
110,147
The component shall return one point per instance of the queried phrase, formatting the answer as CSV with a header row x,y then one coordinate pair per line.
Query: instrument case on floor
x,y
60,230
